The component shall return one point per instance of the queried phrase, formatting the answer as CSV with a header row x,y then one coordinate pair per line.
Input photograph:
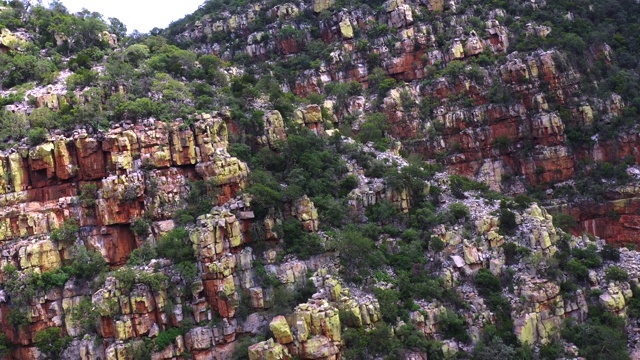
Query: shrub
x,y
51,342
140,226
240,351
131,193
383,213
88,194
37,136
155,281
502,143
358,254
142,350
50,279
389,304
460,184
166,338
610,253
602,336
188,271
373,130
436,244
511,253
410,235
589,256
85,315
565,222
126,278
86,264
202,196
577,269
459,211
67,232
487,283
507,221
5,345
453,326
299,242
142,255
523,201
347,184
176,246
616,273
551,351
17,318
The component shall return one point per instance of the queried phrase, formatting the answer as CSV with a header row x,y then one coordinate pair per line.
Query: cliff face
x,y
356,232
504,122
105,183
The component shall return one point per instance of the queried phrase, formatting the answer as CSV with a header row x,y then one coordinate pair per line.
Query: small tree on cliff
x,y
51,342
67,232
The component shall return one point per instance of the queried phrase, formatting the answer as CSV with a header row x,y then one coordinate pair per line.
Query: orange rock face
x,y
41,184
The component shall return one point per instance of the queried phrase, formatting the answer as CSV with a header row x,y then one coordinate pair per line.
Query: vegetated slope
x,y
274,180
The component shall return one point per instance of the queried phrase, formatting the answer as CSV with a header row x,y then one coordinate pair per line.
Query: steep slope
x,y
271,180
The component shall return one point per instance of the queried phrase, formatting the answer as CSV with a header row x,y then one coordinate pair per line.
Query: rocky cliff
x,y
321,180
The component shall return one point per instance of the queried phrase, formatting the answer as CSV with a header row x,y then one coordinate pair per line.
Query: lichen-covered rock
x,y
322,5
268,350
281,330
199,338
274,130
346,29
613,300
542,312
305,211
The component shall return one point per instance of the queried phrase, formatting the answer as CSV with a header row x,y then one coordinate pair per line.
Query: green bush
x,y
85,315
453,326
359,255
507,221
389,304
50,279
373,130
577,269
176,246
155,281
240,350
86,264
565,222
167,337
51,342
551,351
460,184
383,212
142,255
610,253
523,201
513,253
589,256
88,194
5,345
142,350
299,242
602,336
436,244
459,211
126,279
487,283
17,318
140,226
37,136
616,273
67,232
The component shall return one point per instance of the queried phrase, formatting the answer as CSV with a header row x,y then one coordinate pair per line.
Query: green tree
x,y
176,246
51,342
